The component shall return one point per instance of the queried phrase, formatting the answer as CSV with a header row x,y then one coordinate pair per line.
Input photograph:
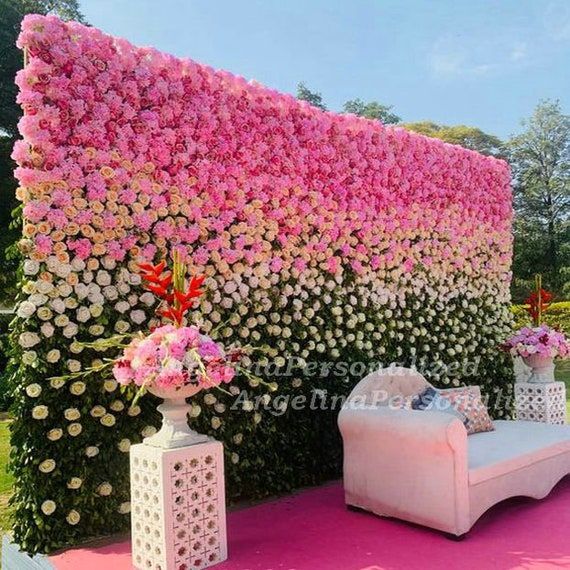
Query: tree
x,y
11,61
372,110
462,135
540,160
312,97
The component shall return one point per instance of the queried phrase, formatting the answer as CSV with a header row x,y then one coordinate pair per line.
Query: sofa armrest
x,y
407,464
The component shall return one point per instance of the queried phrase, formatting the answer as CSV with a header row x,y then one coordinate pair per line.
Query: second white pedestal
x,y
538,402
178,507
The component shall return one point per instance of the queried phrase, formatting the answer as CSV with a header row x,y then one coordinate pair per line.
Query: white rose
x,y
31,267
83,314
40,412
98,411
235,458
33,390
122,326
73,517
72,414
138,316
108,420
91,451
96,310
63,270
47,330
110,293
54,434
96,330
110,385
122,307
78,264
57,383
44,287
117,406
103,278
70,330
124,445
61,321
48,507
58,305
26,309
216,422
134,411
147,298
64,289
47,466
148,431
29,357
74,366
124,508
105,489
74,483
38,299
44,313
74,429
28,339
53,355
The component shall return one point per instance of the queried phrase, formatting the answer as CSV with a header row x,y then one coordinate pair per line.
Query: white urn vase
x,y
175,431
542,368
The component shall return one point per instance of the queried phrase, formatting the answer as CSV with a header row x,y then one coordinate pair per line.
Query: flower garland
x,y
330,238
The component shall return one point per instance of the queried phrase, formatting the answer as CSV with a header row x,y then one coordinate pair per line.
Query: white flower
x,y
48,507
72,414
64,289
108,420
58,305
74,483
110,385
70,330
216,422
124,445
83,314
105,489
117,406
147,298
53,355
98,411
33,390
96,310
31,267
124,508
75,366
40,412
47,466
38,299
61,321
122,326
138,316
134,411
28,339
47,330
91,451
73,517
148,431
29,357
44,313
103,278
74,429
122,307
26,309
110,293
235,458
44,287
96,330
54,434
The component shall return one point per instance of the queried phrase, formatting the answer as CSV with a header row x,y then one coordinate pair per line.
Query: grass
x,y
5,477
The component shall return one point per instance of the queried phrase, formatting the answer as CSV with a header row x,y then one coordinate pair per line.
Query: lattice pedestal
x,y
541,402
178,506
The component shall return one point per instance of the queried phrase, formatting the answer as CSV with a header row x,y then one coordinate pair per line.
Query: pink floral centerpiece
x,y
538,347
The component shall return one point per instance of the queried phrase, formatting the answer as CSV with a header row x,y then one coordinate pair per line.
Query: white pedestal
x,y
178,506
541,402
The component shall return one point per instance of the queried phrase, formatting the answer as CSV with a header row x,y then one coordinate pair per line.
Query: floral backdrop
x,y
328,237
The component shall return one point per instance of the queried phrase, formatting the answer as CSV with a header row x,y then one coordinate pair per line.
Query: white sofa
x,y
422,467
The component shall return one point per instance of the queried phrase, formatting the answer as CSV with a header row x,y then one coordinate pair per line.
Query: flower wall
x,y
329,237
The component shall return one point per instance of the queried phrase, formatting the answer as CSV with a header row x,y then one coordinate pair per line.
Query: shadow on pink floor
x,y
313,530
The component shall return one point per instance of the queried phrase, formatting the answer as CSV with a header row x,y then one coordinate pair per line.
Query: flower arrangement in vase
x,y
540,344
174,361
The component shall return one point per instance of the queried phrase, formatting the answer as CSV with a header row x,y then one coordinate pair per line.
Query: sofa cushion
x,y
432,400
468,401
514,445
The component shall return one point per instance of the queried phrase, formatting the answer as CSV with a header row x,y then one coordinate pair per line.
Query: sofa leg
x,y
455,537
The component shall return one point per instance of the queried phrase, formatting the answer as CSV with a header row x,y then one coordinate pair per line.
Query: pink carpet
x,y
314,531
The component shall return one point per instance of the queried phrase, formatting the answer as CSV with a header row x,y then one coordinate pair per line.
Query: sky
x,y
485,63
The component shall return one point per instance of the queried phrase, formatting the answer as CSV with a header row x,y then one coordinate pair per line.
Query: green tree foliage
x,y
462,135
372,110
11,60
540,159
312,97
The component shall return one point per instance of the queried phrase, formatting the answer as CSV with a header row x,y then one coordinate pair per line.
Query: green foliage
x,y
557,316
372,110
312,97
462,135
540,160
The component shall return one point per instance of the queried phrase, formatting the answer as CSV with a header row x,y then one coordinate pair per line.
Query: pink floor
x,y
313,530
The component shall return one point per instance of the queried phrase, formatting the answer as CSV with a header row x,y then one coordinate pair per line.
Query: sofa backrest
x,y
388,385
